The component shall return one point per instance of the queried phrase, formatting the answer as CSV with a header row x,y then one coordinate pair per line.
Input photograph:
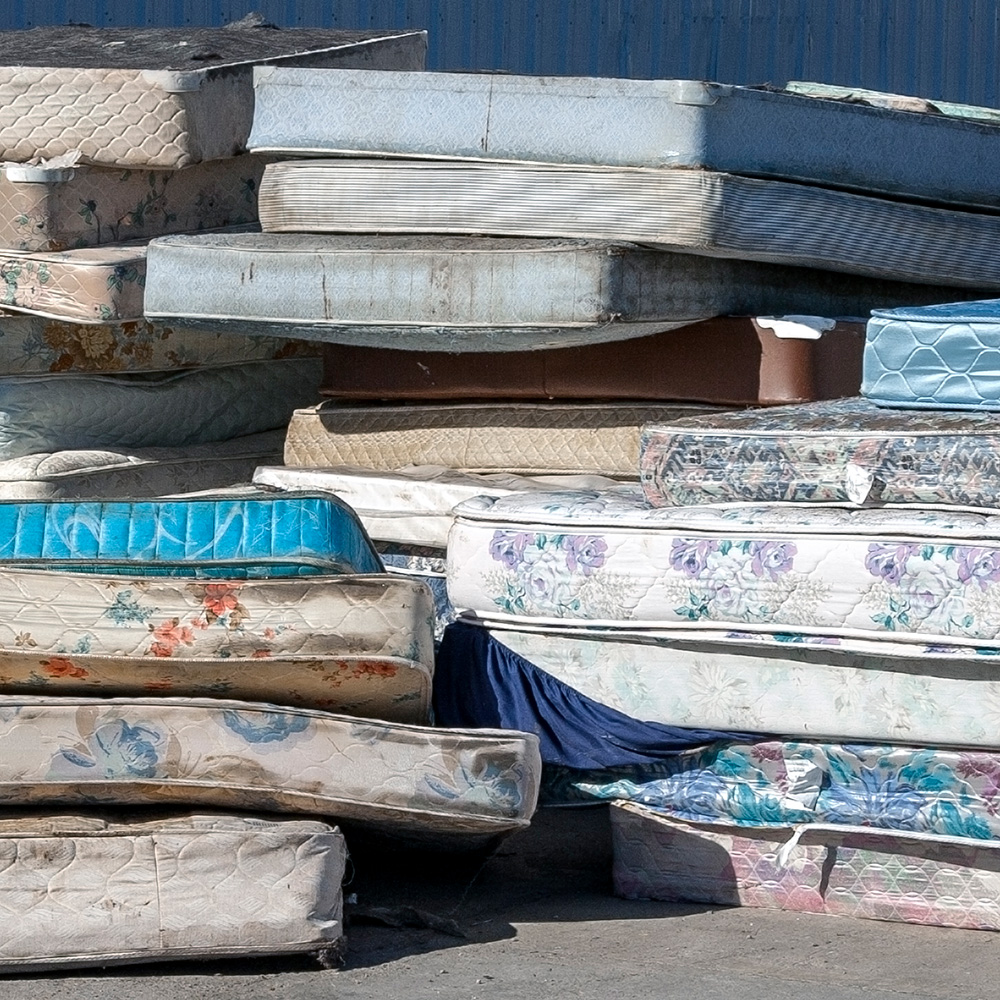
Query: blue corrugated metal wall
x,y
945,49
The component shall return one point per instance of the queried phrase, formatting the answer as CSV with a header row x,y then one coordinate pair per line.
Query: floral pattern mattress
x,y
842,450
84,890
606,558
348,643
847,871
454,787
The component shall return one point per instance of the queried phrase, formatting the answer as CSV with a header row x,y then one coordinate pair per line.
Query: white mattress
x,y
83,890
692,211
46,413
608,558
451,787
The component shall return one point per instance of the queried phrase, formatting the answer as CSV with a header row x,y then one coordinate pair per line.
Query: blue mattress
x,y
934,357
247,536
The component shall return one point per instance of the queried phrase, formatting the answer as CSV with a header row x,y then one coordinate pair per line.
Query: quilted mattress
x,y
454,787
846,450
520,438
463,293
160,98
693,211
609,559
83,890
357,644
59,207
246,535
935,357
846,871
808,358
57,412
806,687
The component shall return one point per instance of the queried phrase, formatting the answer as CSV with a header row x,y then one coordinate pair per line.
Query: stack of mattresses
x,y
109,138
246,654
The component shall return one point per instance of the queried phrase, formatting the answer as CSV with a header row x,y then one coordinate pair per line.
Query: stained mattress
x,y
517,438
57,412
935,357
647,123
463,293
129,97
349,643
692,211
807,358
82,890
452,787
608,558
846,450
847,871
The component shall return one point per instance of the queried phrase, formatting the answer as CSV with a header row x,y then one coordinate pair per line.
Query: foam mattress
x,y
608,558
807,358
693,211
162,98
846,871
56,412
935,357
455,788
846,450
357,644
520,438
84,890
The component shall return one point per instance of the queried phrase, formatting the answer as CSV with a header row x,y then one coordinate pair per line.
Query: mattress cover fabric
x,y
935,357
349,643
846,871
649,123
608,558
693,211
843,450
84,890
452,786
137,99
59,412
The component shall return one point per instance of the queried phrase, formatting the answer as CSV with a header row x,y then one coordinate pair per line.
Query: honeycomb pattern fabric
x,y
881,875
458,787
357,644
84,890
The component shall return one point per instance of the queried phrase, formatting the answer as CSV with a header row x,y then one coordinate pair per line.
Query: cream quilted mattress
x,y
519,438
83,890
453,787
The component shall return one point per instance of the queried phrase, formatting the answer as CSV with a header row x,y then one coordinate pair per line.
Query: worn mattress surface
x,y
847,871
935,357
163,98
58,412
451,786
83,890
842,450
693,211
519,438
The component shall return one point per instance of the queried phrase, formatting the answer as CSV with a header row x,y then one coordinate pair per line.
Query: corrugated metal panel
x,y
942,49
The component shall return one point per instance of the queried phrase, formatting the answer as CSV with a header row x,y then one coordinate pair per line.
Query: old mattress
x,y
647,123
60,207
935,357
693,211
162,98
349,643
458,788
842,870
848,449
807,358
519,438
82,890
59,412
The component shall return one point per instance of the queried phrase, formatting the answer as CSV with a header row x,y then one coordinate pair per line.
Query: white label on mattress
x,y
804,780
861,485
797,327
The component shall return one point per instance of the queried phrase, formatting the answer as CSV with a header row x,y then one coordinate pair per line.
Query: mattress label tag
x,y
804,780
796,327
861,485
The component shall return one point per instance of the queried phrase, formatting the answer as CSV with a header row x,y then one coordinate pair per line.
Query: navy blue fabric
x,y
481,684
